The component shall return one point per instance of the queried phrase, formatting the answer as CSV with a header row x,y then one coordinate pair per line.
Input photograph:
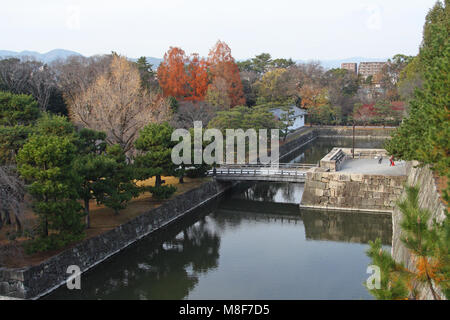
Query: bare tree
x,y
41,83
76,73
116,104
188,112
29,77
14,75
12,192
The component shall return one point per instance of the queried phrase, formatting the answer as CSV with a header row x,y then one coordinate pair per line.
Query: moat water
x,y
252,243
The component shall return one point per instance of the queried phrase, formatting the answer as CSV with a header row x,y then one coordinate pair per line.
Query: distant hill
x,y
44,57
58,54
63,54
155,62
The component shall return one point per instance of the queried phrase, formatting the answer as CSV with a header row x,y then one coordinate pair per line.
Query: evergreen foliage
x,y
155,145
45,163
428,242
425,134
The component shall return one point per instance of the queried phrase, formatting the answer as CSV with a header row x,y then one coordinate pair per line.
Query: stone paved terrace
x,y
371,166
360,184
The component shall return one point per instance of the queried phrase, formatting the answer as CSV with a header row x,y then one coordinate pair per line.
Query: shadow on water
x,y
357,227
161,266
252,243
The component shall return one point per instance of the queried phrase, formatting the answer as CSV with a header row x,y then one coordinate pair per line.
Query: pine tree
x,y
91,166
18,114
428,242
44,162
155,146
118,186
425,134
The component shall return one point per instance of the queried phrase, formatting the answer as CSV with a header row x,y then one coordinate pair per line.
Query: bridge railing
x,y
260,173
268,166
282,170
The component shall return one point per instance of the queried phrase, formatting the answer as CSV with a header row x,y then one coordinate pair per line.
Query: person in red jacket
x,y
391,159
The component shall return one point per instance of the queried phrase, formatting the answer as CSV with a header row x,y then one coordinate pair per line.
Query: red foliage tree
x,y
172,75
221,64
197,78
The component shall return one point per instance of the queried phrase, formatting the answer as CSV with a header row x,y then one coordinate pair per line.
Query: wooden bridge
x,y
279,172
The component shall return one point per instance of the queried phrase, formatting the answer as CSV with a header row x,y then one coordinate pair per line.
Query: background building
x,y
351,66
296,116
370,68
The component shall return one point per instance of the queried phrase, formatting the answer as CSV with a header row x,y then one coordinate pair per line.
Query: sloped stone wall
x,y
351,191
429,198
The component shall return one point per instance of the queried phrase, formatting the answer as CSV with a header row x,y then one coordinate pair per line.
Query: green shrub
x,y
162,192
52,242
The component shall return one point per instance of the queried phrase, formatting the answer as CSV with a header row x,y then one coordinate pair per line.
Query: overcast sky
x,y
300,29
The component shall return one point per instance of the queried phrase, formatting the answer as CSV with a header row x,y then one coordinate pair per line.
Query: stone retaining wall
x,y
35,281
351,191
429,198
347,131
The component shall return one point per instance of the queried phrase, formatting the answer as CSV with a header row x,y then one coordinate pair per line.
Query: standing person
x,y
380,160
391,159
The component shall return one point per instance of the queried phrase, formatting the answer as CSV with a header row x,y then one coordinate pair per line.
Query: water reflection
x,y
271,192
255,243
347,226
164,266
198,257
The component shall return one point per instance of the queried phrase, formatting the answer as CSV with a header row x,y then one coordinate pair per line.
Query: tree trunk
x,y
157,180
45,231
86,211
7,217
18,224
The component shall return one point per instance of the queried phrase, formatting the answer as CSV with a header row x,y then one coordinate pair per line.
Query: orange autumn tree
x,y
222,65
172,75
197,78
312,96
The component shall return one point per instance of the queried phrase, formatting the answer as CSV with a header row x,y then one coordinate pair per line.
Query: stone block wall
x,y
347,131
351,191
